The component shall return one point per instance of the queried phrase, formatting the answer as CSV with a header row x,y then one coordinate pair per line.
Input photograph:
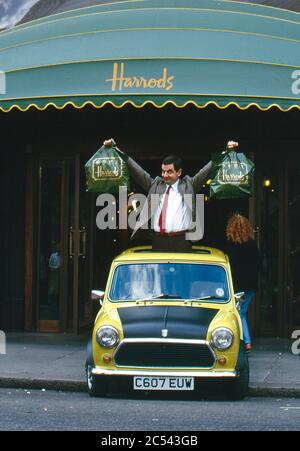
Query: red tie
x,y
162,217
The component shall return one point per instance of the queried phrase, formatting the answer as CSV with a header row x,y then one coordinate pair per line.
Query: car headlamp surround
x,y
222,338
107,336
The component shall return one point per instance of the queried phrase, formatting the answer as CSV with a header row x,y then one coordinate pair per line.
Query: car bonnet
x,y
180,322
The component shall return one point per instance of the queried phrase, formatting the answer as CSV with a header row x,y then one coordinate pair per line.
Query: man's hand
x,y
109,142
232,145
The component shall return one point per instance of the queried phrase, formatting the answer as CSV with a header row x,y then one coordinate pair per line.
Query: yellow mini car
x,y
168,321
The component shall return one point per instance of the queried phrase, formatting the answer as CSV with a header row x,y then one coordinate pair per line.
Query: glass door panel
x,y
49,246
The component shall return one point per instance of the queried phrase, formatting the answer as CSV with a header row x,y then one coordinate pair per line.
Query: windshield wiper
x,y
158,296
204,298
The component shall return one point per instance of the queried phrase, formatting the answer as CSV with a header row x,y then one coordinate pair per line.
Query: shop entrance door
x,y
63,247
270,233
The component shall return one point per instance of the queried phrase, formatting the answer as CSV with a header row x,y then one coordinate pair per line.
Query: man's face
x,y
169,173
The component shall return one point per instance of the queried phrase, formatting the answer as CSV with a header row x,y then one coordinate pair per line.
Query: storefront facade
x,y
202,75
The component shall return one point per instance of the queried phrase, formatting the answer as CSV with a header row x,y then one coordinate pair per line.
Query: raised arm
x,y
138,173
202,176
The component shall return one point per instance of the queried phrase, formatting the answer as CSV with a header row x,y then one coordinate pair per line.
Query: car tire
x,y
238,388
96,386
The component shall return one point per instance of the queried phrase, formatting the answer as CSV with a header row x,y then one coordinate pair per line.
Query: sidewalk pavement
x,y
56,362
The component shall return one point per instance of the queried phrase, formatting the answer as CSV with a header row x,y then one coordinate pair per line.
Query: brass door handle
x,y
82,235
71,243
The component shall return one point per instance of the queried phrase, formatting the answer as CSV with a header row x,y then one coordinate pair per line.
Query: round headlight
x,y
222,338
107,336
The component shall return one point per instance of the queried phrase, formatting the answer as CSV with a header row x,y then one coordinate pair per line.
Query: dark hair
x,y
173,159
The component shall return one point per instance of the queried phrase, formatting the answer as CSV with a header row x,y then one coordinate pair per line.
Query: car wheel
x,y
238,387
96,385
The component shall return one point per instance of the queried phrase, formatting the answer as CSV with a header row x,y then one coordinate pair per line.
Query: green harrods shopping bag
x,y
107,171
232,176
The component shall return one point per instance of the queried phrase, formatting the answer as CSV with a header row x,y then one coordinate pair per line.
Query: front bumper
x,y
165,373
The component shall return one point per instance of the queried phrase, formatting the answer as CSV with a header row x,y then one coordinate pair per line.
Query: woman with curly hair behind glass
x,y
245,261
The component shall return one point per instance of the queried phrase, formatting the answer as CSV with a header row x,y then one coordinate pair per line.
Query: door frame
x,y
32,243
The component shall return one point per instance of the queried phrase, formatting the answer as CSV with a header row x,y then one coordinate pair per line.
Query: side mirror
x,y
239,298
98,296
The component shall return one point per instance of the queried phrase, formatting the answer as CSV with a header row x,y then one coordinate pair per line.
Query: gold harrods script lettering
x,y
119,81
234,173
106,168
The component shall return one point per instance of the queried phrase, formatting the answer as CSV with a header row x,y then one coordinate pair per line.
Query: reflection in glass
x,y
54,272
177,281
49,245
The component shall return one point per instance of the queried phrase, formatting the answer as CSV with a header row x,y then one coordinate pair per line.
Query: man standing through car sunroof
x,y
172,215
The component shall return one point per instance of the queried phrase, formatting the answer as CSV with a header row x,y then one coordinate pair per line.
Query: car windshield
x,y
169,281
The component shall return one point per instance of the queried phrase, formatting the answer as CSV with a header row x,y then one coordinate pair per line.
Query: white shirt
x,y
178,216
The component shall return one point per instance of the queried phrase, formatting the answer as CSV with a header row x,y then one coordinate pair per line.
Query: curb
x,y
273,392
80,386
39,384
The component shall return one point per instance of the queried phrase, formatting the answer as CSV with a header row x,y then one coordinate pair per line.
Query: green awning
x,y
154,51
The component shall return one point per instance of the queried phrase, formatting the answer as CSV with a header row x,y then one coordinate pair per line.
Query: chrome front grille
x,y
164,354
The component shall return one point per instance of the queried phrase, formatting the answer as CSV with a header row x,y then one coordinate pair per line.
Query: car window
x,y
169,280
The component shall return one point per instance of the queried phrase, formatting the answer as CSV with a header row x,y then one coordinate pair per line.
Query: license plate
x,y
163,383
